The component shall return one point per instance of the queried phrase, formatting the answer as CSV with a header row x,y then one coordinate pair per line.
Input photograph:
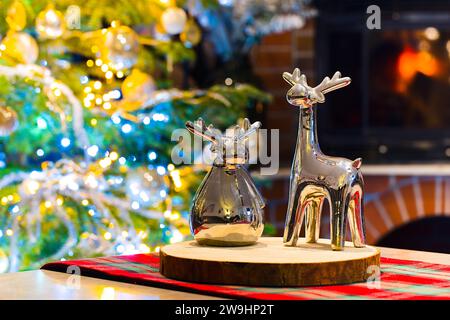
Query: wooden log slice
x,y
268,263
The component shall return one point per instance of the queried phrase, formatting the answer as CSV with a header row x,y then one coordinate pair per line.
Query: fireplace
x,y
429,234
398,106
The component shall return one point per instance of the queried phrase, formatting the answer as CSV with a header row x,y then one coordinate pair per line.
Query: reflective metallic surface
x,y
316,177
227,209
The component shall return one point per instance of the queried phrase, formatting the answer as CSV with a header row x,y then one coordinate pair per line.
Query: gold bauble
x,y
173,20
8,121
21,47
16,16
191,34
120,48
138,86
50,23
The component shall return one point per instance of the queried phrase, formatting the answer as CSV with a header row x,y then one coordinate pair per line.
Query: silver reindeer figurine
x,y
227,209
316,177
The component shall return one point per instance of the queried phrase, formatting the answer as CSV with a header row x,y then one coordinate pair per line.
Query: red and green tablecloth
x,y
400,279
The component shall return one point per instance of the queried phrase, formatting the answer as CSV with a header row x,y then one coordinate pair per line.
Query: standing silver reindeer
x,y
227,209
316,177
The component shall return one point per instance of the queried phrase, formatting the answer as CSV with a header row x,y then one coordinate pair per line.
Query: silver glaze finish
x,y
227,209
316,177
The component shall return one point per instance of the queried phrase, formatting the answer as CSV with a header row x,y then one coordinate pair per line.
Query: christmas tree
x,y
90,93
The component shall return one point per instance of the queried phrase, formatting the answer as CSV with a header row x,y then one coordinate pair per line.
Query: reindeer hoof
x,y
337,248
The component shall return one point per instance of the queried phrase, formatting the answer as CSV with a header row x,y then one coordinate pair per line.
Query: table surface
x,y
43,284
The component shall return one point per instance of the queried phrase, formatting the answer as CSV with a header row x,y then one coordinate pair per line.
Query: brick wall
x,y
275,54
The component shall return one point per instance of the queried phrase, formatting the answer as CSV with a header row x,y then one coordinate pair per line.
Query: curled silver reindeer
x,y
227,209
316,177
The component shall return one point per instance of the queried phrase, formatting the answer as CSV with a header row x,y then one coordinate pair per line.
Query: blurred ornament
x,y
120,48
146,188
138,86
8,121
191,34
4,261
21,46
90,243
29,187
50,23
173,20
16,16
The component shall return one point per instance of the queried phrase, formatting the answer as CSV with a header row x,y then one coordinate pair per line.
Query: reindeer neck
x,y
307,141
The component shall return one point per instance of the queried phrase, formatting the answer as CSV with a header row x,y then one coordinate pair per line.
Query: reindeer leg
x,y
312,219
292,230
338,205
294,217
356,217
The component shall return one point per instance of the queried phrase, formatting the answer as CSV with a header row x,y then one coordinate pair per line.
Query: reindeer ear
x,y
246,125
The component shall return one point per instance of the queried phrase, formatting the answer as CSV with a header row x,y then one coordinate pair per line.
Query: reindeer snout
x,y
298,96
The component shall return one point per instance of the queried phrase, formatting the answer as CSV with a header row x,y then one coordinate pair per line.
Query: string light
x,y
97,85
109,75
161,170
92,150
41,123
135,205
126,128
15,209
65,142
115,119
152,155
113,155
175,174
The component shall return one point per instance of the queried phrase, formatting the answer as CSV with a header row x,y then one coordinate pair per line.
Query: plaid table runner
x,y
400,279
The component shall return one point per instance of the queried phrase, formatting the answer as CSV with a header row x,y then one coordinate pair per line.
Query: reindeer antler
x,y
301,94
327,85
248,129
199,128
295,78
